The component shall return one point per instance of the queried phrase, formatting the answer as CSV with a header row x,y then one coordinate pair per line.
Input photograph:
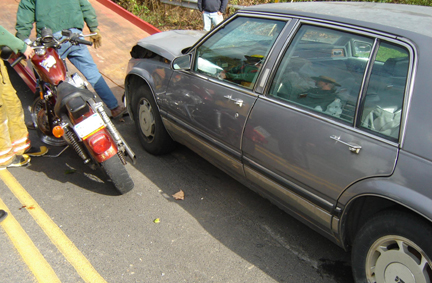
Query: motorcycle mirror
x,y
47,35
66,32
6,52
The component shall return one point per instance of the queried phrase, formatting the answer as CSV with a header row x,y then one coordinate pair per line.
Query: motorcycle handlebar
x,y
82,41
17,61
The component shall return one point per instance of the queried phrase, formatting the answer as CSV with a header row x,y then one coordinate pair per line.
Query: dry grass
x,y
169,17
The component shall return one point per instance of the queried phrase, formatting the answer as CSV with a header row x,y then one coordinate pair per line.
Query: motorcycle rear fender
x,y
110,152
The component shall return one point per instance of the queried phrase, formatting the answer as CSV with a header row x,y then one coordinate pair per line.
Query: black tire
x,y
393,246
151,131
40,121
118,174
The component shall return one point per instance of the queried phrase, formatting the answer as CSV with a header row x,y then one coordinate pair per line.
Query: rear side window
x,y
382,107
323,71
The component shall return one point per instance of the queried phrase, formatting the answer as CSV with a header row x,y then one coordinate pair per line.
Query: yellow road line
x,y
28,251
56,235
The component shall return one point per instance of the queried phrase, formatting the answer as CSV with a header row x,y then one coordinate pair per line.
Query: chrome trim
x,y
292,201
335,224
365,81
316,20
351,146
283,182
264,77
365,32
215,155
338,123
188,130
412,71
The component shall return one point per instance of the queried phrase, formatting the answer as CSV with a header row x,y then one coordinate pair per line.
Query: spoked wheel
x,y
152,133
393,247
41,122
118,174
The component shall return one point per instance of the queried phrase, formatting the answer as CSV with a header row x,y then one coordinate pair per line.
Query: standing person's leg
x,y
15,115
14,136
81,58
216,18
6,152
207,21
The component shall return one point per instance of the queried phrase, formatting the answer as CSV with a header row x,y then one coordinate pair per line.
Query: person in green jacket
x,y
321,96
14,138
59,15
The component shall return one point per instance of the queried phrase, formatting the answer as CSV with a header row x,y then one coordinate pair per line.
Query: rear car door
x,y
214,98
331,116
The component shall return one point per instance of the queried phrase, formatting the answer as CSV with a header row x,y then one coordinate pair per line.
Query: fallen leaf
x,y
157,220
24,206
71,171
31,207
179,195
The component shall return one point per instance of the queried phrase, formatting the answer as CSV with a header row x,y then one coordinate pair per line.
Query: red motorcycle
x,y
65,112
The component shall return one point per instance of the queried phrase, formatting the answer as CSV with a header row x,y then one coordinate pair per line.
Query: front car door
x,y
213,99
331,116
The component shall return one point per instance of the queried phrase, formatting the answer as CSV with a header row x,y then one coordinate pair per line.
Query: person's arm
x,y
8,39
200,8
224,4
89,15
25,18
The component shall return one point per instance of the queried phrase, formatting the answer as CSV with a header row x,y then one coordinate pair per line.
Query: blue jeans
x,y
211,19
80,57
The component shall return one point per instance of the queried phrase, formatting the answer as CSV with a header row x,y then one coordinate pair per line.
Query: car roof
x,y
397,18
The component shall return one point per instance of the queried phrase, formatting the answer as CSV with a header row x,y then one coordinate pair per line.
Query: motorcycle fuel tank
x,y
50,66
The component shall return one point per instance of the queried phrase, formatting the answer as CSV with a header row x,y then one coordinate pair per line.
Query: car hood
x,y
169,44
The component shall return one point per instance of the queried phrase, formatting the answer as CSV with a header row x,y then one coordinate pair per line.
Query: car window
x,y
385,92
236,52
320,72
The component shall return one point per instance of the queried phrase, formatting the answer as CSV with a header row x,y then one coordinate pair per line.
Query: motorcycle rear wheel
x,y
118,174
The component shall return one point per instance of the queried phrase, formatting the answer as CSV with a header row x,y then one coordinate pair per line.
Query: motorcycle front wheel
x,y
118,174
41,122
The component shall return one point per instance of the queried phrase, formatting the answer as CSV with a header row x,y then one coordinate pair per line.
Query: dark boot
x,y
3,215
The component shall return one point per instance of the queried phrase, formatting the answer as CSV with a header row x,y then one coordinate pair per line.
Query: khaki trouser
x,y
13,131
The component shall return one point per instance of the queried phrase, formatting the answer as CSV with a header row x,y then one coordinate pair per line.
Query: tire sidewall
x,y
395,223
162,142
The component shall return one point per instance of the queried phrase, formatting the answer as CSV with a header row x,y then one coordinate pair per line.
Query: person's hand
x,y
219,13
29,52
96,39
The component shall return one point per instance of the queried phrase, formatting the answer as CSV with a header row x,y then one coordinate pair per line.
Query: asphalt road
x,y
220,232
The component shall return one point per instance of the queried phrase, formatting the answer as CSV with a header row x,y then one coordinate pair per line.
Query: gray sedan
x,y
324,108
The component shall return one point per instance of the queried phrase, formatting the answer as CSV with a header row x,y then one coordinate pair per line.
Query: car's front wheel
x,y
393,247
152,133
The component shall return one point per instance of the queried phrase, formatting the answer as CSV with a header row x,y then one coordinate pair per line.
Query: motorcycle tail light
x,y
100,143
58,131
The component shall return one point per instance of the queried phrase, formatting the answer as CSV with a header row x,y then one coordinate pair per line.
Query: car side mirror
x,y
183,62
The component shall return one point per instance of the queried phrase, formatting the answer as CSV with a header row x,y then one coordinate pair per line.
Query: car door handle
x,y
352,146
237,101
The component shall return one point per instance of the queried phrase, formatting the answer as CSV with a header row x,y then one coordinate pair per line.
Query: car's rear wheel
x,y
152,133
393,247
